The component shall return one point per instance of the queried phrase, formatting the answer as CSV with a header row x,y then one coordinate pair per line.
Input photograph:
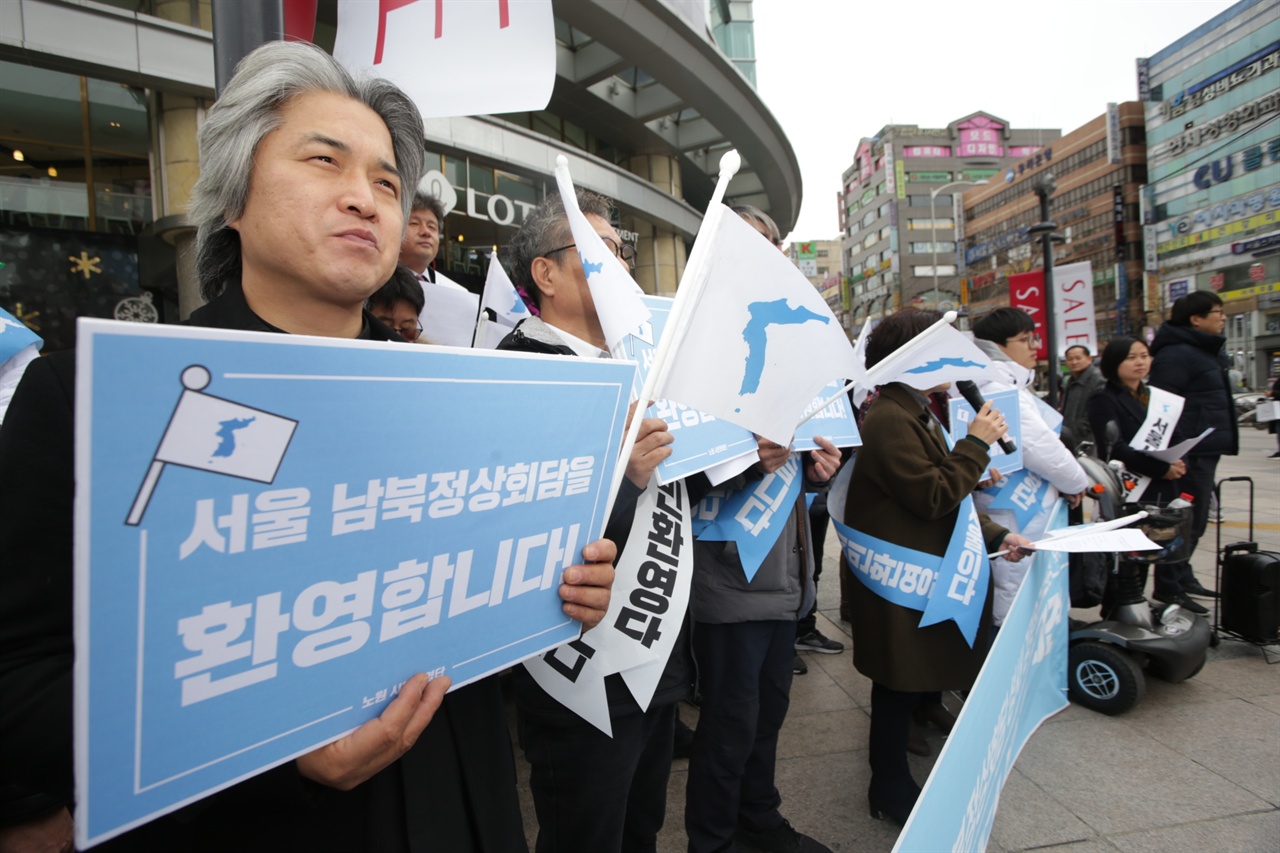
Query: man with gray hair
x,y
300,210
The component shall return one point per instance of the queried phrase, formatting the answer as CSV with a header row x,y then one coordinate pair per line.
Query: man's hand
x,y
1073,501
993,477
651,447
1018,547
824,462
772,456
347,762
585,588
1177,470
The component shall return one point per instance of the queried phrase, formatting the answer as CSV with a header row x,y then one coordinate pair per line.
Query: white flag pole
x,y
867,380
686,299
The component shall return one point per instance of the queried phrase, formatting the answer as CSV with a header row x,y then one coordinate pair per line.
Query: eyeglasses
x,y
625,251
410,330
1032,340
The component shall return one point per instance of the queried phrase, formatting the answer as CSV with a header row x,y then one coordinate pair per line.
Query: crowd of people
x,y
309,222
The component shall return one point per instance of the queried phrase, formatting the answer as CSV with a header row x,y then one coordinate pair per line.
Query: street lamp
x,y
933,224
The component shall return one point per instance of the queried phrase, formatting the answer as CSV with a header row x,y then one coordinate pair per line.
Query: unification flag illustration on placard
x,y
761,340
406,41
333,518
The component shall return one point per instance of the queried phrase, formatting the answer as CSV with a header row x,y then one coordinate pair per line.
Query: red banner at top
x,y
1026,291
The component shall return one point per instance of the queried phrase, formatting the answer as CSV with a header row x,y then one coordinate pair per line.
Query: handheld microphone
x,y
969,390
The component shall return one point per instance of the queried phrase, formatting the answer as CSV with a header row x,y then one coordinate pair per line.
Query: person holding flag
x,y
623,774
912,539
744,634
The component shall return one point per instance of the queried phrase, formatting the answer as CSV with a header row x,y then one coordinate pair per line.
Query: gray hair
x,y
248,110
546,228
755,215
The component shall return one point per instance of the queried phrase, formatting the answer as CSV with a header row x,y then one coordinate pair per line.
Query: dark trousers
x,y
891,782
597,794
1197,482
745,676
818,521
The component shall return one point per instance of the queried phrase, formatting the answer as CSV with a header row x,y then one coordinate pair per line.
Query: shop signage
x,y
1256,64
1234,208
1226,124
1249,160
1262,246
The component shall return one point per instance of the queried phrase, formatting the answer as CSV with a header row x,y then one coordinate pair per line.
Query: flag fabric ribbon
x,y
751,517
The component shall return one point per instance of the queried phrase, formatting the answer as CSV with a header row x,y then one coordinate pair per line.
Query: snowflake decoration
x,y
84,264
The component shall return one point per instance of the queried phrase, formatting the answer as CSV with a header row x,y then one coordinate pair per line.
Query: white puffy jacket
x,y
1043,453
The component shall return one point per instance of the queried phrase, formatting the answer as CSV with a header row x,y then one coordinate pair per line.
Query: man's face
x,y
421,240
572,303
402,318
322,219
1213,323
1077,360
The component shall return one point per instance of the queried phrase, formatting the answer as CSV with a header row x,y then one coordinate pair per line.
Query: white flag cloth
x,y
448,315
940,354
615,294
860,359
507,48
761,341
500,296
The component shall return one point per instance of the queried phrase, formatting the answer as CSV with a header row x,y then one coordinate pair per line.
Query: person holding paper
x,y
907,491
1120,406
623,777
300,208
1008,336
1187,359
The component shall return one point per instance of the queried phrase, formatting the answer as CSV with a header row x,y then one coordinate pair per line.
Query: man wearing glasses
x,y
1188,360
398,303
1008,337
623,777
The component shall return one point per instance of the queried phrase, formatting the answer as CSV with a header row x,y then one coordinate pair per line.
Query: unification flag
x,y
501,298
937,355
212,434
15,336
406,40
762,341
615,294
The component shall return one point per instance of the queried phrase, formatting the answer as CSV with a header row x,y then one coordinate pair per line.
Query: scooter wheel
x,y
1103,678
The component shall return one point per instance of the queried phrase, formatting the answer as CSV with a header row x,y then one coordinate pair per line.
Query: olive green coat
x,y
906,489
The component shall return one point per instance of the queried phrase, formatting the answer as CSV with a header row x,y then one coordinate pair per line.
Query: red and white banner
x,y
1074,323
1026,291
454,57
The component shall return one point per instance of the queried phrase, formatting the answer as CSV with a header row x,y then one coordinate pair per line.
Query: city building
x,y
820,262
898,207
100,102
1212,208
1099,170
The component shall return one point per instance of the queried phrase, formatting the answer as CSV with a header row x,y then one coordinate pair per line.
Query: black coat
x,y
1113,404
1192,365
454,790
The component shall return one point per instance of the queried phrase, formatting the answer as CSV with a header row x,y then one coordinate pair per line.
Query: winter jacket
x,y
1191,364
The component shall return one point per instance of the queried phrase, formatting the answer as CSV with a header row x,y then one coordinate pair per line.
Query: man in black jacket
x,y
624,776
1187,359
300,209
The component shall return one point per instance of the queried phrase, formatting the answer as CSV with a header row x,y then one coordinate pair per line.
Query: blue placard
x,y
273,532
701,440
1022,683
834,423
1007,402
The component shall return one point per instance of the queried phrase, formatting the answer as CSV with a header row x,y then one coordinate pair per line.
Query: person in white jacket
x,y
1007,336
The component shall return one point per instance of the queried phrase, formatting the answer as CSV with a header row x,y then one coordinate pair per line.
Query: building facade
x,y
1099,170
899,204
1212,208
820,262
100,104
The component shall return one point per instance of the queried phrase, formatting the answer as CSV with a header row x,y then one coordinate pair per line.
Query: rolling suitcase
x,y
1248,583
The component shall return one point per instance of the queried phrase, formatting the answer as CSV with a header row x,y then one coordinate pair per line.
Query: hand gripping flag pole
x,y
682,308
